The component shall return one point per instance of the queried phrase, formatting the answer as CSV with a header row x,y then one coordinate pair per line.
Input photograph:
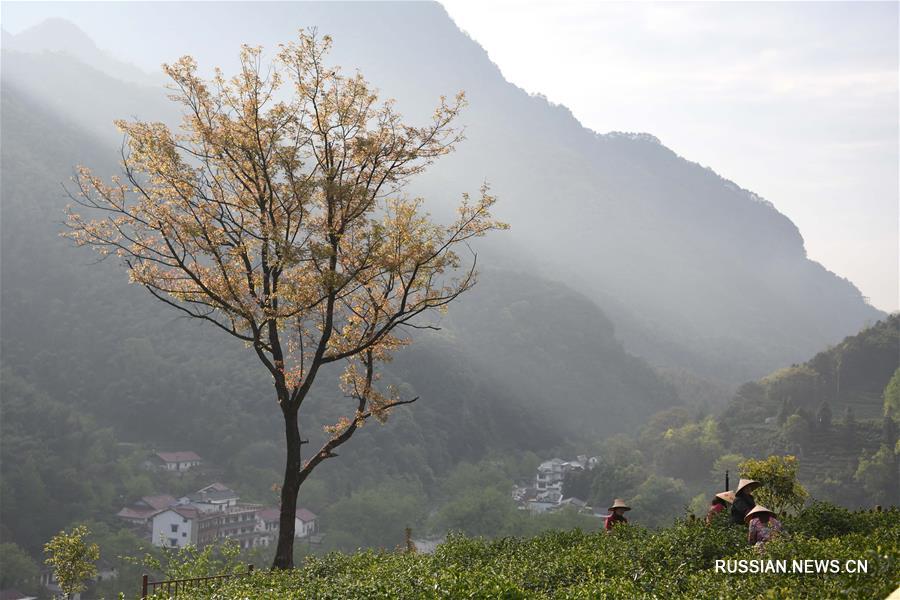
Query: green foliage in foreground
x,y
780,489
631,562
72,559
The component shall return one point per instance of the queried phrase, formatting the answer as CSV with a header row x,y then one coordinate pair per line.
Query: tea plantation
x,y
631,562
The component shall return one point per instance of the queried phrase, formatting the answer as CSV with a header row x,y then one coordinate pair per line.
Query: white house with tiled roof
x,y
177,461
175,527
211,514
306,523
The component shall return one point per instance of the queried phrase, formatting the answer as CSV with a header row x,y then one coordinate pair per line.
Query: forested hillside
x,y
830,412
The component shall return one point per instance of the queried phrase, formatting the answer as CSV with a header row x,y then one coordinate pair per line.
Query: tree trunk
x,y
284,555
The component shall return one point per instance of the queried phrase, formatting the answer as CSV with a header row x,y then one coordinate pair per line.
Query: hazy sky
x,y
795,101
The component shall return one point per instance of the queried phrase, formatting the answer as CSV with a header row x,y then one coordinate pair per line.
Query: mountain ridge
x,y
58,35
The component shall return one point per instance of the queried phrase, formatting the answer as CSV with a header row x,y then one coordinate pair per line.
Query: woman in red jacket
x,y
616,514
719,503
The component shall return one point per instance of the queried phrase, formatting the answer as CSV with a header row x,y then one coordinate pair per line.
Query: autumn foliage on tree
x,y
277,214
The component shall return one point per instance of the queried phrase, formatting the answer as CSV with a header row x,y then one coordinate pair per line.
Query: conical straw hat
x,y
619,503
726,496
751,484
758,509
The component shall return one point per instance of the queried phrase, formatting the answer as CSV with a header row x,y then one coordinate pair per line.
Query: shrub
x,y
780,489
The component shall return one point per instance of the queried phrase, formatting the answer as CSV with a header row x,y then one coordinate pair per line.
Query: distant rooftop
x,y
274,514
158,502
186,456
215,487
212,496
305,515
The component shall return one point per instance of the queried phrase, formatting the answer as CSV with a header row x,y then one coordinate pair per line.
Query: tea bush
x,y
630,562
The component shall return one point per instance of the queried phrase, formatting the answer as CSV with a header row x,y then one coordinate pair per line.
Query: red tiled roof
x,y
178,456
305,515
131,513
269,514
184,511
188,513
274,514
158,502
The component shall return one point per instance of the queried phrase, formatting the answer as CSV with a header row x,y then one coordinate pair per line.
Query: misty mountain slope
x,y
61,36
84,95
694,271
556,350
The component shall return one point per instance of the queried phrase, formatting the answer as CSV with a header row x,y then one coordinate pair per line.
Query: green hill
x,y
849,379
851,375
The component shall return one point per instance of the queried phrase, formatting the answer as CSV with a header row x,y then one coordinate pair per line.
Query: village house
x,y
209,515
550,474
182,525
552,496
547,492
141,511
267,521
305,522
214,497
237,523
176,461
175,527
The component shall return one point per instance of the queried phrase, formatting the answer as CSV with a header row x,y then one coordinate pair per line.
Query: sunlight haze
x,y
797,102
